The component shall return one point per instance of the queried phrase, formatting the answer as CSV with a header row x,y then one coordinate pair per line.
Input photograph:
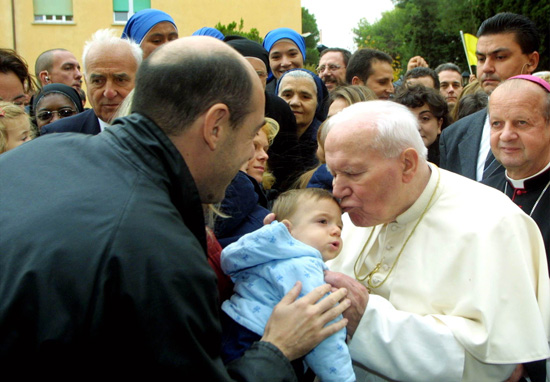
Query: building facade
x,y
33,26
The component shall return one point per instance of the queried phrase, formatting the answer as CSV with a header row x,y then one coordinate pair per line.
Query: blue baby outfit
x,y
265,265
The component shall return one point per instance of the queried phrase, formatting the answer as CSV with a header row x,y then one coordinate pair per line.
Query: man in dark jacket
x,y
105,272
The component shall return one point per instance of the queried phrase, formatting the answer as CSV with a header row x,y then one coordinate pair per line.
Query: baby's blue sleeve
x,y
330,360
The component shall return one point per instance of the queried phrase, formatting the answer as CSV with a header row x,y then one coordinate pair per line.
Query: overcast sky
x,y
337,18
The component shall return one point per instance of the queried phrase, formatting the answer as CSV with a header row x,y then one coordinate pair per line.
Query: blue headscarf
x,y
207,31
322,92
281,33
142,22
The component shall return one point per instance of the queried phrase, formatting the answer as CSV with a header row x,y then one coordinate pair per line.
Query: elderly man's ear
x,y
409,161
216,125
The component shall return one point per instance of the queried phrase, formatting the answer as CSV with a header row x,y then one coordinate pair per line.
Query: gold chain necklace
x,y
368,277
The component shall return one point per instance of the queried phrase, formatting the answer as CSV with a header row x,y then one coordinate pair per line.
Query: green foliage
x,y
309,25
232,30
536,10
431,28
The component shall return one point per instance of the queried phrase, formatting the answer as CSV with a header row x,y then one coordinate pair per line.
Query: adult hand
x,y
415,62
357,293
518,373
297,326
269,218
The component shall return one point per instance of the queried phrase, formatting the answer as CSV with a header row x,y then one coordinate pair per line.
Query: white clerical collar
x,y
103,124
518,183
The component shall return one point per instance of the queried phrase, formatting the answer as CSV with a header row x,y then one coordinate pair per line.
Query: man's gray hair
x,y
395,124
109,38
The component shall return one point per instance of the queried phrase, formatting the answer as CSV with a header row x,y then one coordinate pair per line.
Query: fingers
x,y
270,218
316,294
292,294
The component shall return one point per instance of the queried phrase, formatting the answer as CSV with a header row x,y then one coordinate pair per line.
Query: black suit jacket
x,y
459,144
85,122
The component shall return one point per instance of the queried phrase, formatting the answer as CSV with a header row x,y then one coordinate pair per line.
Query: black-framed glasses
x,y
329,67
46,115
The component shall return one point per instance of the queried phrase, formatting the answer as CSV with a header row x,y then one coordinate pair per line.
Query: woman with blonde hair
x,y
245,202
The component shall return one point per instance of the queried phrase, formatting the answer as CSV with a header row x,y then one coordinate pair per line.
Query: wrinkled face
x,y
318,223
110,76
427,81
499,57
284,55
11,89
52,107
520,136
429,126
160,34
66,70
450,86
18,131
366,183
260,68
381,79
332,70
336,106
300,95
257,165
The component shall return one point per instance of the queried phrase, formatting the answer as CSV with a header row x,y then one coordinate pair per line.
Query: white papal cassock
x,y
468,298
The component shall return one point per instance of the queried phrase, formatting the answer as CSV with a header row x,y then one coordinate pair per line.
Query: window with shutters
x,y
124,9
53,11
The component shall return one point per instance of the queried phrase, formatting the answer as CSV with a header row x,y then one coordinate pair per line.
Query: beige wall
x,y
31,38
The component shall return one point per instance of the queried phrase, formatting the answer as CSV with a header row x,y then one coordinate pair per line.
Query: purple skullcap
x,y
535,79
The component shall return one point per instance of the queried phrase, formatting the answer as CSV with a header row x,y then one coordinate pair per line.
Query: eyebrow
x,y
288,50
95,76
18,97
121,76
498,50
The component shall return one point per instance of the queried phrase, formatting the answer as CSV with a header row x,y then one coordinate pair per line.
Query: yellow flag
x,y
470,44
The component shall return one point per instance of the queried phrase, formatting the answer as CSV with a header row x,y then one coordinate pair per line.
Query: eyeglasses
x,y
46,115
329,67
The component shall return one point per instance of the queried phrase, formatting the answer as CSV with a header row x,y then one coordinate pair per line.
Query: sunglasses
x,y
46,115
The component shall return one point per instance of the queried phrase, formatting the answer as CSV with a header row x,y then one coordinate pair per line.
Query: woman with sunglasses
x,y
55,101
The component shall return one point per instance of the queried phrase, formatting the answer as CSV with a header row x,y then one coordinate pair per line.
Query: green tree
x,y
431,28
309,25
232,30
535,10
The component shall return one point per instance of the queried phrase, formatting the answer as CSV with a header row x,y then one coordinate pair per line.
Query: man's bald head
x,y
521,86
519,115
184,78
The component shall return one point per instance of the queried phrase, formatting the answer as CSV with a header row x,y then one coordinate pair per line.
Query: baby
x,y
266,264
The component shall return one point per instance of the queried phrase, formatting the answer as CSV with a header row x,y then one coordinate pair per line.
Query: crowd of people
x,y
220,212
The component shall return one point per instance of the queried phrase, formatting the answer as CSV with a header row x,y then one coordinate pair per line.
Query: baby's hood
x,y
270,243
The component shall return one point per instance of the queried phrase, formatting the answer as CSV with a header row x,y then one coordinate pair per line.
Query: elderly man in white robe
x,y
457,274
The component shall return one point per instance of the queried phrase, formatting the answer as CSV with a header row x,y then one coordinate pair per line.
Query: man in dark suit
x,y
507,46
110,65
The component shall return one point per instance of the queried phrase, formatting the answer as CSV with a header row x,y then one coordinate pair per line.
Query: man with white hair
x,y
457,274
110,65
